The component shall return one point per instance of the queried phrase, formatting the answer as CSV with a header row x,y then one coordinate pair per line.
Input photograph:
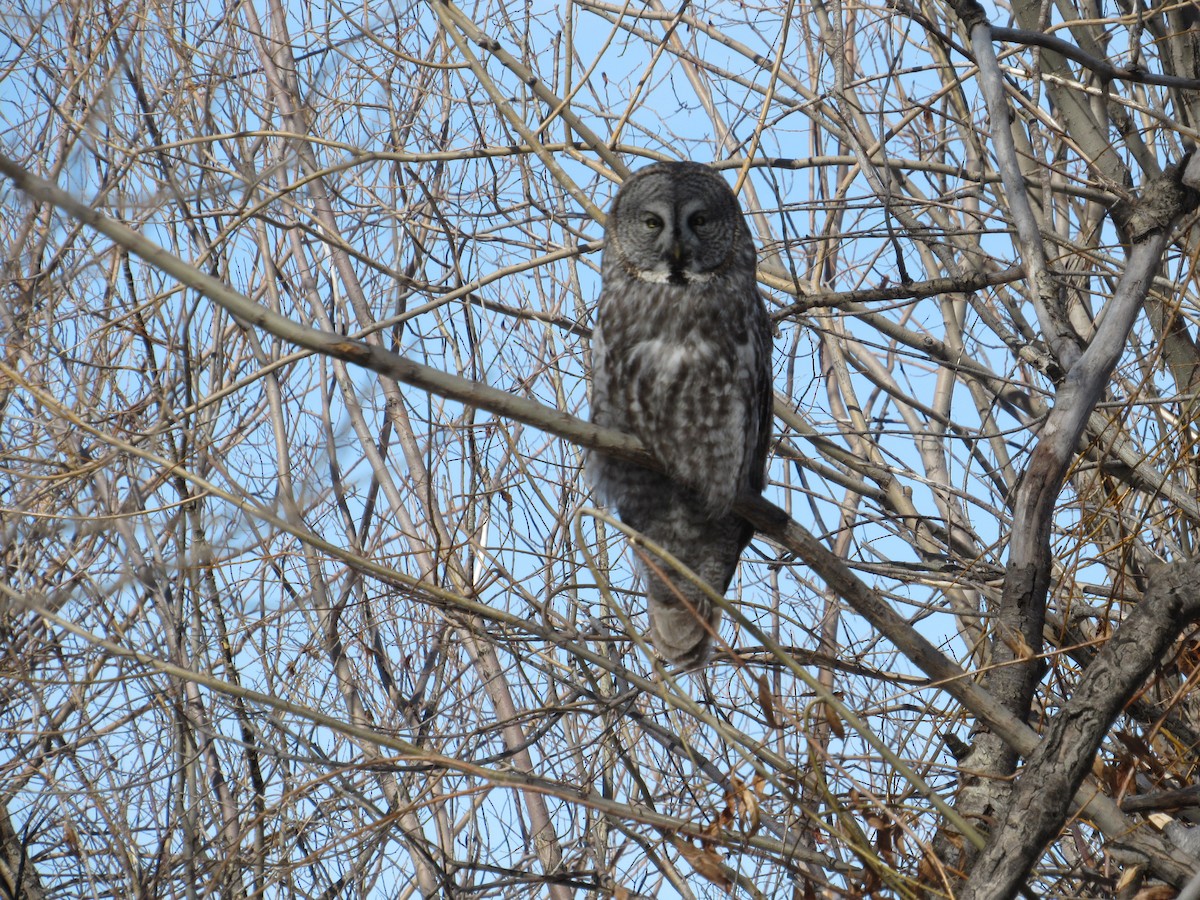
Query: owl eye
x,y
653,222
699,220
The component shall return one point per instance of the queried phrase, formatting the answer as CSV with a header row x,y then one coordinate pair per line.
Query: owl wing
x,y
759,440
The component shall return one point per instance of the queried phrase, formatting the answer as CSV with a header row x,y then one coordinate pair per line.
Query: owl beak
x,y
677,254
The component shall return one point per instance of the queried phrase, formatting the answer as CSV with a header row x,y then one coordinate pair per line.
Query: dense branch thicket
x,y
303,592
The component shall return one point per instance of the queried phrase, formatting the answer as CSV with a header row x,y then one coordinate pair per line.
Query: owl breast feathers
x,y
681,358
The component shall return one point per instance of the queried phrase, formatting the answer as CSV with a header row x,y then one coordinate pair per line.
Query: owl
x,y
681,358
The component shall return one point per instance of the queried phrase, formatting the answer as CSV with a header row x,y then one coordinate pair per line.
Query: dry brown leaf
x,y
834,721
766,703
713,829
1128,877
885,841
748,804
706,861
1141,751
1156,892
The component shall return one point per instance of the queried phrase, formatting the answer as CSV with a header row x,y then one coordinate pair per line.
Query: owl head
x,y
676,223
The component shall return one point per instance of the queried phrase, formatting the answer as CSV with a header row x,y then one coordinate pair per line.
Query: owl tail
x,y
682,618
682,621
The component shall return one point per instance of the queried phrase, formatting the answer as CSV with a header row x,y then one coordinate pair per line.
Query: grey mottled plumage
x,y
681,358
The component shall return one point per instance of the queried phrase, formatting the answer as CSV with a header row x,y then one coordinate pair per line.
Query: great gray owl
x,y
681,358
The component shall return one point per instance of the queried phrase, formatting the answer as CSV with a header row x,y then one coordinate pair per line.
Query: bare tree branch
x,y
1063,757
300,594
